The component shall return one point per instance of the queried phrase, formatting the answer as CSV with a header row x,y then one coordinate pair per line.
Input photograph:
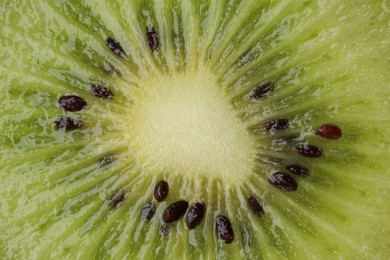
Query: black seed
x,y
148,211
117,199
255,206
309,150
329,131
115,47
152,36
175,211
66,124
283,181
72,103
224,229
106,160
277,124
161,191
195,215
100,91
297,169
262,90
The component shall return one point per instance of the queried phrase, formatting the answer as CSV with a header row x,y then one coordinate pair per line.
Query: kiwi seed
x,y
115,47
66,124
255,206
153,38
106,160
262,91
174,211
195,215
148,211
72,103
117,199
309,150
297,169
224,229
100,91
329,131
161,190
283,181
277,124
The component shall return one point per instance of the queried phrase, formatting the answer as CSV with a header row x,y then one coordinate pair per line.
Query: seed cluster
x,y
194,213
74,103
175,210
282,180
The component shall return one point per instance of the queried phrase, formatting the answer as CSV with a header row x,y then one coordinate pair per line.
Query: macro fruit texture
x,y
185,129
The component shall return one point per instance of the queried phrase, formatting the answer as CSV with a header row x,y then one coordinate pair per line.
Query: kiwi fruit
x,y
194,129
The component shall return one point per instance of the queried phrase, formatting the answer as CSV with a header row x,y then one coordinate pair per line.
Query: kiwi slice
x,y
194,129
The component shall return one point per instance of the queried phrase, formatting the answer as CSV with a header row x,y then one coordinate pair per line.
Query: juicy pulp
x,y
328,61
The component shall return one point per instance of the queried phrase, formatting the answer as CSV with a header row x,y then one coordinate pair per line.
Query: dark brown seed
x,y
115,47
100,91
309,150
72,103
277,124
262,90
152,36
283,181
66,124
161,190
117,199
175,211
195,215
224,229
255,206
148,211
106,160
329,131
297,169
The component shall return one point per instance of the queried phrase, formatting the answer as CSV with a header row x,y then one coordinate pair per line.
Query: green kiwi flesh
x,y
194,129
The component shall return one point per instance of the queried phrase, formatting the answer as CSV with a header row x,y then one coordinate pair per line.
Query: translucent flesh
x,y
328,60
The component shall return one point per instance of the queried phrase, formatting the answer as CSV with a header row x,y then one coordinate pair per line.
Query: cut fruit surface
x,y
206,129
185,125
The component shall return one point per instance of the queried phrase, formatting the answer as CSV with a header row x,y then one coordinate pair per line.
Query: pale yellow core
x,y
184,124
